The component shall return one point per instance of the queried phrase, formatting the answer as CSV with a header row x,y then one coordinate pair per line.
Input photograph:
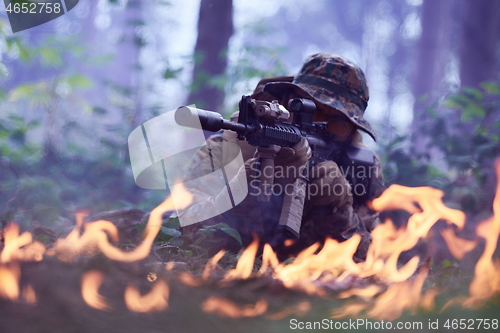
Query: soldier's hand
x,y
329,186
294,158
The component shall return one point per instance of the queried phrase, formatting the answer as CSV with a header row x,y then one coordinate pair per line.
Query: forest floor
x,y
59,305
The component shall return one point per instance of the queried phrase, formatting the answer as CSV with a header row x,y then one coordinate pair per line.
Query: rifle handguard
x,y
266,182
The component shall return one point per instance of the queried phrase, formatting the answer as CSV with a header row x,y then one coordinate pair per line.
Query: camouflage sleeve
x,y
377,186
202,164
244,217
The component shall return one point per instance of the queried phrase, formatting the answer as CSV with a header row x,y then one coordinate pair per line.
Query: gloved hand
x,y
294,159
329,186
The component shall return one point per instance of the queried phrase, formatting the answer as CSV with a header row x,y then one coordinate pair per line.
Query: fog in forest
x,y
73,89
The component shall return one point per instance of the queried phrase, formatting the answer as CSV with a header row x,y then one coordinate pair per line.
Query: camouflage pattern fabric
x,y
332,81
251,217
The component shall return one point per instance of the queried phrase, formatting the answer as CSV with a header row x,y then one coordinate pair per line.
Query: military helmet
x,y
332,81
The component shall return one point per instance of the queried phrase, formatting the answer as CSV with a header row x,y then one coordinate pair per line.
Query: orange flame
x,y
91,282
189,280
388,243
14,242
486,280
95,236
244,266
311,270
155,300
211,264
269,258
9,282
367,292
457,246
29,295
225,308
334,258
398,297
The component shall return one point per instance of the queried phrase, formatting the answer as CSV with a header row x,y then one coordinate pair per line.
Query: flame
x,y
211,264
368,292
398,297
189,280
80,217
388,243
14,242
269,259
95,235
9,281
91,282
244,266
486,280
226,308
29,295
334,258
155,300
427,300
457,246
170,266
314,270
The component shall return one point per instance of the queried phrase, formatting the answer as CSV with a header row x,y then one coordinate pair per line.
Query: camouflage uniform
x,y
331,81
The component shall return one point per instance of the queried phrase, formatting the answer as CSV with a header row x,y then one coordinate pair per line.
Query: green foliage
x,y
210,230
459,159
170,237
171,73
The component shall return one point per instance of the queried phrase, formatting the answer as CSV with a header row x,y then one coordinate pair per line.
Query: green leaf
x,y
33,124
447,264
457,101
171,73
471,111
50,56
474,93
176,241
170,232
208,233
44,239
233,233
491,87
172,223
36,94
79,81
217,226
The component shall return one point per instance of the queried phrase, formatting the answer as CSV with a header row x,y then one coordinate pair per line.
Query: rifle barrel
x,y
208,120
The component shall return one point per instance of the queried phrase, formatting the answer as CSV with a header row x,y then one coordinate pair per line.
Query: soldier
x,y
340,92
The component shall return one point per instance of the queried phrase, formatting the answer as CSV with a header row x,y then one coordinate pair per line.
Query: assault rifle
x,y
264,124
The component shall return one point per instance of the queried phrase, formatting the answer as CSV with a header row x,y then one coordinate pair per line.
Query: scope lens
x,y
296,104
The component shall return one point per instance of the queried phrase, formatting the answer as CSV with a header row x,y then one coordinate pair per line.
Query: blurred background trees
x,y
73,89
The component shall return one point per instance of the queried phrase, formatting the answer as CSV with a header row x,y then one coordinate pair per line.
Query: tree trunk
x,y
126,71
215,27
480,25
433,54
